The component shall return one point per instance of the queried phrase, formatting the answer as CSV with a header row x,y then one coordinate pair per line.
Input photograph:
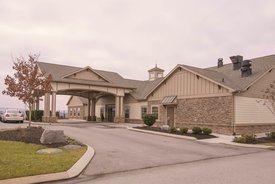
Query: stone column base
x,y
47,119
53,119
119,120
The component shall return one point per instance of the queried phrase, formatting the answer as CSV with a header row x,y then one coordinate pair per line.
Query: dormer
x,y
155,73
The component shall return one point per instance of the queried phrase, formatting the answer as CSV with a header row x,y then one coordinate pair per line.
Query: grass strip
x,y
18,159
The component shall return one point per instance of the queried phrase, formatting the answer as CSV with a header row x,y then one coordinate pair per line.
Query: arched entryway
x,y
112,112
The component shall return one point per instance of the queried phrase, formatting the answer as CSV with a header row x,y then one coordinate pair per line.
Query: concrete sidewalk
x,y
221,139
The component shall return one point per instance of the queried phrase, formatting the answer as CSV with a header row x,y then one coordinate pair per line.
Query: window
x,y
71,112
155,110
152,76
159,75
143,111
127,112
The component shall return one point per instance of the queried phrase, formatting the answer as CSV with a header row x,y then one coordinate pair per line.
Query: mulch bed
x,y
263,140
157,129
27,135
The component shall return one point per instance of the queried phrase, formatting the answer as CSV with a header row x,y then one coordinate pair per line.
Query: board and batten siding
x,y
185,84
86,75
75,101
135,109
252,111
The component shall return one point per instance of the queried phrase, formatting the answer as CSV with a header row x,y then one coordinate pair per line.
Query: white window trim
x,y
152,110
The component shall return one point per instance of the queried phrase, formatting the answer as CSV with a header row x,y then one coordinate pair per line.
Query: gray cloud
x,y
129,37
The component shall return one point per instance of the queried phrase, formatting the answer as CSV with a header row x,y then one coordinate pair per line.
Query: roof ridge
x,y
60,64
263,56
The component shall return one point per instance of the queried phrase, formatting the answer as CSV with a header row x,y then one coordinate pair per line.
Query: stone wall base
x,y
47,119
258,128
119,120
134,121
220,129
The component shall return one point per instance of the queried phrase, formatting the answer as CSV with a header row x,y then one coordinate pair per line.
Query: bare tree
x,y
269,97
28,82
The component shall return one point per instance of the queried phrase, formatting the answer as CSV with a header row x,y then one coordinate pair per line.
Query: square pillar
x,y
53,118
89,118
93,109
46,115
119,117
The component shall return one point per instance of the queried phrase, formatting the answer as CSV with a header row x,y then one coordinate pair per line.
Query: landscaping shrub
x,y
246,138
271,135
173,130
196,130
36,115
206,131
149,119
183,130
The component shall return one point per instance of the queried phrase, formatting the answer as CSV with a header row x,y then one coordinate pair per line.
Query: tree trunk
x,y
30,114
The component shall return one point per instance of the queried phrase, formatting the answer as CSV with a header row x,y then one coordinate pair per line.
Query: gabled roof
x,y
260,66
86,68
140,88
83,100
226,77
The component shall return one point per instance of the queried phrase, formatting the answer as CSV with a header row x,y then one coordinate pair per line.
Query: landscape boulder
x,y
52,137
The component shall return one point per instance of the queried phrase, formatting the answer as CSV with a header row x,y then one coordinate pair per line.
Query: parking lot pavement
x,y
119,150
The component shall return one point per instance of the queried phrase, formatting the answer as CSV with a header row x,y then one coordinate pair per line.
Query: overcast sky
x,y
130,37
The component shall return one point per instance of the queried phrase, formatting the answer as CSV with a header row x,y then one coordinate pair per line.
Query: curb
x,y
249,145
74,171
162,134
192,138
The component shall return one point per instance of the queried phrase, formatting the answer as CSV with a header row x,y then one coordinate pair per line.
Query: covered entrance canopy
x,y
84,82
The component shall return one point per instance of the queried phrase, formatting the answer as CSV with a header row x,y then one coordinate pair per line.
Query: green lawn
x,y
19,159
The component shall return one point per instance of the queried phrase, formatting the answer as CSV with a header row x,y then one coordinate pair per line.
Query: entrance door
x,y
110,113
170,116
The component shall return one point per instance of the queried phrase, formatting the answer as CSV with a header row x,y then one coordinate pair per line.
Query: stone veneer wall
x,y
134,121
212,112
252,128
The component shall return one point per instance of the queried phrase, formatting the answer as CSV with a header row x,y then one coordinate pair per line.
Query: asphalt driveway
x,y
124,156
119,150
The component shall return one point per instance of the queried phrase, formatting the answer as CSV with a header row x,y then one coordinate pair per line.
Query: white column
x,y
47,105
117,107
121,107
53,104
93,109
46,114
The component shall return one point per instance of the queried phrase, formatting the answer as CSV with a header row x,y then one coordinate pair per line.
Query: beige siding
x,y
97,110
252,111
75,101
135,109
87,75
185,84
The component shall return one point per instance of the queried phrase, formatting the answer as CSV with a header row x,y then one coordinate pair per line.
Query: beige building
x,y
227,97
